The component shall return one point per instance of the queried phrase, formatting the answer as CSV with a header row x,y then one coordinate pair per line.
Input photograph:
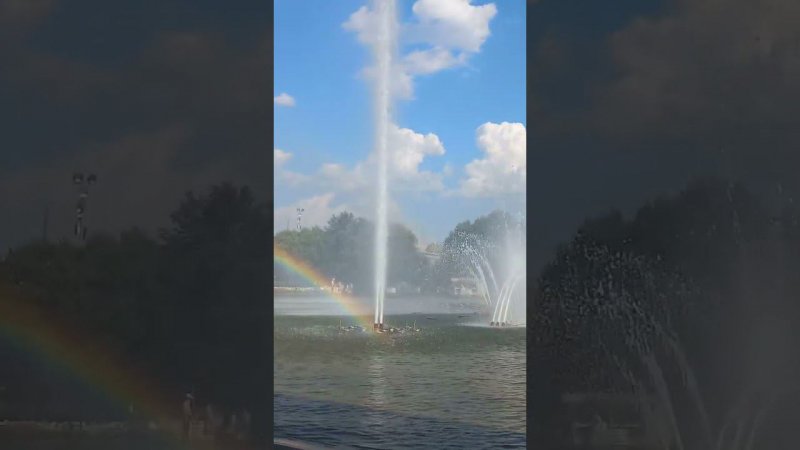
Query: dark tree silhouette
x,y
192,308
720,287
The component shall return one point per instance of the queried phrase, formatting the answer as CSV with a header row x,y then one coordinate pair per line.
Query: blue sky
x,y
319,64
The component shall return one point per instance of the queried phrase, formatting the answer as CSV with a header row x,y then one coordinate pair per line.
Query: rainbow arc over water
x,y
104,369
350,304
99,366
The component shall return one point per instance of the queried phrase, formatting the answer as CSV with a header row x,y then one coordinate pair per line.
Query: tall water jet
x,y
384,48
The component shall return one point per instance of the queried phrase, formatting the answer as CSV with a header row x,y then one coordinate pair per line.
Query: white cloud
x,y
284,175
454,29
455,24
333,170
292,178
503,170
281,157
317,210
363,22
339,177
408,149
423,62
284,99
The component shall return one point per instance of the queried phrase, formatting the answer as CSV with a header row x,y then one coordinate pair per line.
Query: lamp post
x,y
82,184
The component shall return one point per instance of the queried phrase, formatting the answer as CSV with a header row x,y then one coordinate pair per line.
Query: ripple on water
x,y
449,386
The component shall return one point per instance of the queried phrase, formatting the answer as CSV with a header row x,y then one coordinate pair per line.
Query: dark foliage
x,y
190,307
695,289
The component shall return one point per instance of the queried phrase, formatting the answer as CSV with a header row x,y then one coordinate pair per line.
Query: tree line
x,y
188,305
344,249
690,300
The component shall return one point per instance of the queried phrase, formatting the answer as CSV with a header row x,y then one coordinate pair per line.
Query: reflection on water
x,y
377,393
448,386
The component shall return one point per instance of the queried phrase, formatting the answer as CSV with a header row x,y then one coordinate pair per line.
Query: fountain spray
x,y
383,49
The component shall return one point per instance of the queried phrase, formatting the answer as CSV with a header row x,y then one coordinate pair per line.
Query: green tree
x,y
306,244
345,250
406,263
349,250
218,254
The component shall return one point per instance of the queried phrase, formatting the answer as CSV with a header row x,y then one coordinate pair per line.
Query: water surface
x,y
449,386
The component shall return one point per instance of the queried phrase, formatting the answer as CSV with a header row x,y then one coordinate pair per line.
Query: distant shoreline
x,y
289,291
23,434
298,289
70,427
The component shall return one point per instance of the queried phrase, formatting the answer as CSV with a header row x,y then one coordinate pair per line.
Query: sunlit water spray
x,y
384,48
500,279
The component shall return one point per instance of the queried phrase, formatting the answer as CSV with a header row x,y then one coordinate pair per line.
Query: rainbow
x,y
350,304
89,360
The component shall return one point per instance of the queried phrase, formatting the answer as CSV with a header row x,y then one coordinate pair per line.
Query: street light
x,y
82,184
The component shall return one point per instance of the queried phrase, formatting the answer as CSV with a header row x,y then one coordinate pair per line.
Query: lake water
x,y
454,384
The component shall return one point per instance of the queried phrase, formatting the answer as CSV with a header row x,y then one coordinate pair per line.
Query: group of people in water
x,y
213,421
